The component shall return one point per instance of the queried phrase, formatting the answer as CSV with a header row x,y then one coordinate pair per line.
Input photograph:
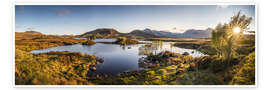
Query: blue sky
x,y
66,19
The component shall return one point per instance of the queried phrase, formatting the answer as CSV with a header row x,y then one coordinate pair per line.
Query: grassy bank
x,y
28,41
52,68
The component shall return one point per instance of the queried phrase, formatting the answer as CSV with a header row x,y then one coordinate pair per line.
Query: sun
x,y
237,29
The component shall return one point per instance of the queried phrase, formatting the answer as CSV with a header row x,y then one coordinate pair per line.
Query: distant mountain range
x,y
142,33
110,33
191,33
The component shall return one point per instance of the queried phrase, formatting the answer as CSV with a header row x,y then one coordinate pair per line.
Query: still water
x,y
118,58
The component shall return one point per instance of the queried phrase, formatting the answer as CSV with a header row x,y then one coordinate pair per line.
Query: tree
x,y
225,38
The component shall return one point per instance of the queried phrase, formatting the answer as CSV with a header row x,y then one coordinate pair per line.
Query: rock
x,y
100,60
105,75
141,60
118,75
185,53
193,64
93,68
97,76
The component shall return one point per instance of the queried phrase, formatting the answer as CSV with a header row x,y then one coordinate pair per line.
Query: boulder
x,y
93,68
185,53
100,60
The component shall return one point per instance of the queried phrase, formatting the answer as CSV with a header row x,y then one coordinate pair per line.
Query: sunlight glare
x,y
236,29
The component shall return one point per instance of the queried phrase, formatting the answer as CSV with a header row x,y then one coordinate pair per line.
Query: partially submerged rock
x,y
93,68
185,53
100,60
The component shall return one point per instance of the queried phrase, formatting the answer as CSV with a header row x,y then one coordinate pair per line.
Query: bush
x,y
225,40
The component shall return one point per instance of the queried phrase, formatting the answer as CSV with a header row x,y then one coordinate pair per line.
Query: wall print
x,y
144,45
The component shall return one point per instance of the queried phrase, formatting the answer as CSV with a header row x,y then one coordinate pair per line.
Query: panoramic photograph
x,y
135,45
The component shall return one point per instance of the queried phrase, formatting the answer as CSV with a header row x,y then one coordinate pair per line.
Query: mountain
x,y
191,33
146,33
141,33
112,33
102,33
157,33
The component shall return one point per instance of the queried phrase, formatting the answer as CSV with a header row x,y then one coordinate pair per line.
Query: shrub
x,y
225,40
